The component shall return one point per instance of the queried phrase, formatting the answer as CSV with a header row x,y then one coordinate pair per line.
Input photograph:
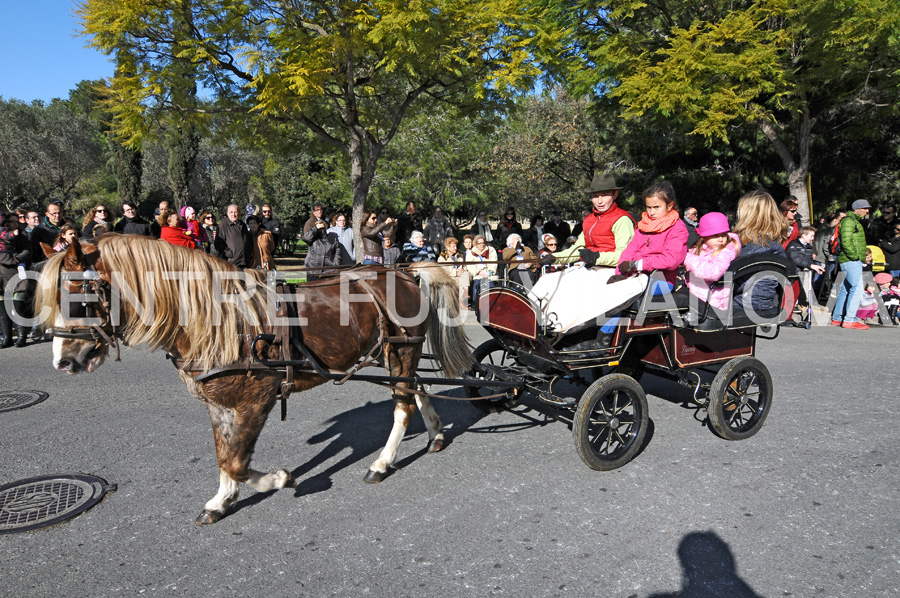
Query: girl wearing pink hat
x,y
710,257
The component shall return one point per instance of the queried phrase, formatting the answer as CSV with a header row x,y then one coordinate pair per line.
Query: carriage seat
x,y
704,318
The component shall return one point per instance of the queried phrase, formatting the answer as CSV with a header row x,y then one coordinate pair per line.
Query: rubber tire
x,y
493,353
746,370
605,393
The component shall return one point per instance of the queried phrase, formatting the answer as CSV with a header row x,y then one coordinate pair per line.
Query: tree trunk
x,y
363,161
797,170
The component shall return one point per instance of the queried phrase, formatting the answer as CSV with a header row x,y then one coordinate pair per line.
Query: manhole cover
x,y
38,502
10,400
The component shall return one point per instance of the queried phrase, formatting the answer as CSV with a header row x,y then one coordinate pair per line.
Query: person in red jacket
x,y
171,230
609,228
789,210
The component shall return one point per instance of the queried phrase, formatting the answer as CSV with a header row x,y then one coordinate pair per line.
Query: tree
x,y
781,66
548,149
46,151
349,71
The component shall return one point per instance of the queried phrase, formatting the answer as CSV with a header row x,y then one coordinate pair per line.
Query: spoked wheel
x,y
740,397
490,353
611,421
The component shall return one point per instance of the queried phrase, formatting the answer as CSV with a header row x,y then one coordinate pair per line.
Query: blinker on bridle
x,y
86,310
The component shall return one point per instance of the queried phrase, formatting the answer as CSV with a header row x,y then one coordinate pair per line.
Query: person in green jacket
x,y
851,259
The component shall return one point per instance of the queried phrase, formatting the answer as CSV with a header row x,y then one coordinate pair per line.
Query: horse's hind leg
x,y
235,433
432,423
403,410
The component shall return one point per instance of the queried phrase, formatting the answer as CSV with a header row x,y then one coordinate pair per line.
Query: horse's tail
x,y
448,342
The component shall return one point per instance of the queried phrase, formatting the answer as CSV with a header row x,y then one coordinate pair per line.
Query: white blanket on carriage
x,y
578,294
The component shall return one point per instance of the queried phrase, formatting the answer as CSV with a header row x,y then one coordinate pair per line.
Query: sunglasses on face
x,y
550,244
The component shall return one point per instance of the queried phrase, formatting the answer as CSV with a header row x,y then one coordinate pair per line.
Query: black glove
x,y
547,260
627,267
616,278
588,257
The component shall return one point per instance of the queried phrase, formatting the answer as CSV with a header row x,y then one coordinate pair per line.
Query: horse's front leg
x,y
235,432
403,411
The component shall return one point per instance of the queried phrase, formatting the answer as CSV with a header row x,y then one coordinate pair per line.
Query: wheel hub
x,y
614,422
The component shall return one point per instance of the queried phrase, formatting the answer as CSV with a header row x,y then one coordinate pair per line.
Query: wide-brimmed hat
x,y
714,223
603,182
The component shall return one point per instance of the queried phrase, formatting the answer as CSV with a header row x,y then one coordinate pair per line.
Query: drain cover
x,y
10,400
38,502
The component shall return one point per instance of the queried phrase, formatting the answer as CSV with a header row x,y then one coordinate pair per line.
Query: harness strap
x,y
382,307
283,336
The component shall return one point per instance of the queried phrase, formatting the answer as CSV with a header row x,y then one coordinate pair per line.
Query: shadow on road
x,y
358,433
709,569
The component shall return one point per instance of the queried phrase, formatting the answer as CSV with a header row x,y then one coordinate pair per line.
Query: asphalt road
x,y
807,507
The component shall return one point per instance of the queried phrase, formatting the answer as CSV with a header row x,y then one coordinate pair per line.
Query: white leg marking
x,y
389,454
432,421
226,496
263,482
58,342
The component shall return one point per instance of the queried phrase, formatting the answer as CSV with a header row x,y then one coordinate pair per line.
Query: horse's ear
x,y
74,255
48,251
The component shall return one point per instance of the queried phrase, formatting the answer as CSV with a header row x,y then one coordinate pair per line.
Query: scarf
x,y
484,229
657,226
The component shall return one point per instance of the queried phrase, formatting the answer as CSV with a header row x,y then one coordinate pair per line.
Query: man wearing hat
x,y
851,259
609,228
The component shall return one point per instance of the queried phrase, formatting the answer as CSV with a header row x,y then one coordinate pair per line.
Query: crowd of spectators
x,y
29,236
867,242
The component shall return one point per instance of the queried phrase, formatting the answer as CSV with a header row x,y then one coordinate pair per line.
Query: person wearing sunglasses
x,y
789,210
96,215
509,225
268,221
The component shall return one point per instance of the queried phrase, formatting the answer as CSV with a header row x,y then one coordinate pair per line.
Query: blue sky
x,y
43,58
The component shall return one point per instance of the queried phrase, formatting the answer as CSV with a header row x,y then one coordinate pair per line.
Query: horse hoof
x,y
207,517
435,445
284,479
373,477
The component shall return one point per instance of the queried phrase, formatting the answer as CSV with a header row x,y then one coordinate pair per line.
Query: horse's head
x,y
79,299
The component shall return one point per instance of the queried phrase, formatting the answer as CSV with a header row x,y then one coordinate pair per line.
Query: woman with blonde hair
x,y
760,228
96,215
456,267
481,261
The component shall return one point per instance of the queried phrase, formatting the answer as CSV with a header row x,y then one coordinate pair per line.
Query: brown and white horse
x,y
205,311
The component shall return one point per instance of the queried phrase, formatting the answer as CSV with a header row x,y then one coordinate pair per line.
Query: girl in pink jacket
x,y
660,240
710,257
659,244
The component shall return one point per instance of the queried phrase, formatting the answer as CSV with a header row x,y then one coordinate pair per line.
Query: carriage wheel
x,y
740,397
490,353
611,422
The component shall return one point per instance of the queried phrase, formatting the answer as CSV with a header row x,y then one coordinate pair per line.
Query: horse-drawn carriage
x,y
229,333
670,336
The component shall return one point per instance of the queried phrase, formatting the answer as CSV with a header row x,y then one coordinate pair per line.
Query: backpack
x,y
834,246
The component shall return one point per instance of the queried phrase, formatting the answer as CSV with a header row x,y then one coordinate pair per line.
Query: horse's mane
x,y
138,267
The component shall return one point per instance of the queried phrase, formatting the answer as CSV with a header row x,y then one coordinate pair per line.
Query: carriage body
x,y
693,347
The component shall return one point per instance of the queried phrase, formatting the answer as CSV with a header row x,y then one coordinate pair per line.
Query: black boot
x,y
21,331
5,327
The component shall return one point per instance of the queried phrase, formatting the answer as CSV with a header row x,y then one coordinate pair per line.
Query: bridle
x,y
99,333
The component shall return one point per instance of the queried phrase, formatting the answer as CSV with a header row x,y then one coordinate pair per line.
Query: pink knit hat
x,y
882,278
714,223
